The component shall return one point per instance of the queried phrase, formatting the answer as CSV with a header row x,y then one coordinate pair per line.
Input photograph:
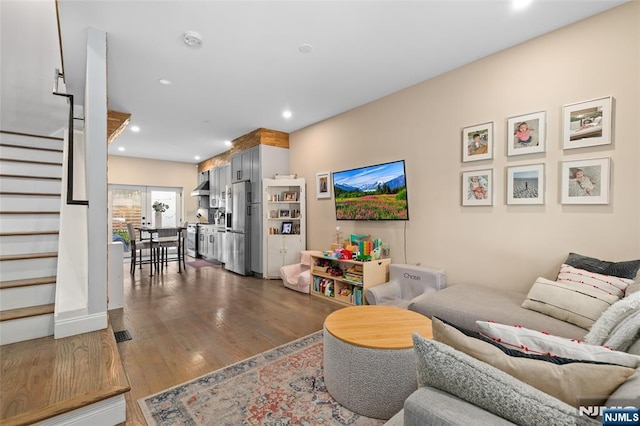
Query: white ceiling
x,y
249,69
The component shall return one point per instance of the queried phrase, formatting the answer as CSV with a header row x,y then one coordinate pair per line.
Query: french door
x,y
133,204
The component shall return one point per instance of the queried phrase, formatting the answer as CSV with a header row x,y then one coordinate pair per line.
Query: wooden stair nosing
x,y
43,163
37,148
119,384
26,282
26,256
27,212
31,194
4,175
30,311
29,233
32,135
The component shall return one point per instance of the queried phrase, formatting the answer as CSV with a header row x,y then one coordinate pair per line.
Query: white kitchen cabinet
x,y
284,214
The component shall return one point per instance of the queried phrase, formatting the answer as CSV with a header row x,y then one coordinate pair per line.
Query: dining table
x,y
156,235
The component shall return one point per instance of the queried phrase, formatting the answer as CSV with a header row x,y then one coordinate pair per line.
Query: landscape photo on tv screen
x,y
376,192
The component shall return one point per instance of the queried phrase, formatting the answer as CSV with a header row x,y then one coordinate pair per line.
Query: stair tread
x,y
18,160
28,212
27,282
30,177
28,256
28,233
31,311
32,194
47,377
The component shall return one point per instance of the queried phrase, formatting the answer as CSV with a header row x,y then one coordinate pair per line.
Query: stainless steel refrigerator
x,y
238,246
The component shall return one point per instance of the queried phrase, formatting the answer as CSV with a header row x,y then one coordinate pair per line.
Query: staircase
x,y
30,187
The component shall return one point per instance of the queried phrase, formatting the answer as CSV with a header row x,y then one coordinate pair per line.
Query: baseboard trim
x,y
109,412
80,324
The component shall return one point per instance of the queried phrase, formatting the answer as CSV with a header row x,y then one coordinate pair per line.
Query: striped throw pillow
x,y
605,283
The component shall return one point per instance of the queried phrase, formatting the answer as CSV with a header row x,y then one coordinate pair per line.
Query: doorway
x,y
133,204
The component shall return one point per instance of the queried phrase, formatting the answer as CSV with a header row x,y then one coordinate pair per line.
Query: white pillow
x,y
567,301
605,283
537,342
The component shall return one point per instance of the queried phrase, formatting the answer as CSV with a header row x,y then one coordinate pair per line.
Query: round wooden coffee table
x,y
369,362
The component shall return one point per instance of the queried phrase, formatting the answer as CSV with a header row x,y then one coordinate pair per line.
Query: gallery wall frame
x,y
586,181
526,184
477,187
323,185
588,123
527,134
477,142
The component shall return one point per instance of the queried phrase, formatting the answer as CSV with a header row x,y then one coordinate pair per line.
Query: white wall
x,y
500,246
140,171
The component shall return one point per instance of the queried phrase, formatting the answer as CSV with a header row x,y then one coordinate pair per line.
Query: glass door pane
x,y
170,216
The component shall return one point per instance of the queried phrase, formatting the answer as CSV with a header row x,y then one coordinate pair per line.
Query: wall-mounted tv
x,y
377,192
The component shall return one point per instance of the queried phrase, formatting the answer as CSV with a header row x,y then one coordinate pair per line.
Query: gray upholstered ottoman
x,y
369,362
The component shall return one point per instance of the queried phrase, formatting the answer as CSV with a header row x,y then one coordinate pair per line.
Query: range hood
x,y
202,189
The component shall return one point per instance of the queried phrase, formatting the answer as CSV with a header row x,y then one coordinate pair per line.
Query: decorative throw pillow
x,y
572,381
626,269
609,284
619,326
478,383
537,342
567,301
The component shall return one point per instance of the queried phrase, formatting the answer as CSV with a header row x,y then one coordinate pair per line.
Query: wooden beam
x,y
116,123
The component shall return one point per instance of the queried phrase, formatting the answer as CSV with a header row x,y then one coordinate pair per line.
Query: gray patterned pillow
x,y
457,373
626,269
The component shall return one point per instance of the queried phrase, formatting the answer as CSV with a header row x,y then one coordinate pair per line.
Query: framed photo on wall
x,y
587,123
477,188
586,181
477,142
525,184
323,185
526,134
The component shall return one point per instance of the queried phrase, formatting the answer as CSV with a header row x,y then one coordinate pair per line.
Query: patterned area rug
x,y
283,386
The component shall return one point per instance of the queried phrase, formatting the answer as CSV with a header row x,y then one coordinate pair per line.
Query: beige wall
x,y
500,246
140,171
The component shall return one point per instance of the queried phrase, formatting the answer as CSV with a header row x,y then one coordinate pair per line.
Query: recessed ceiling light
x,y
197,157
305,48
192,38
121,148
165,82
135,129
287,114
521,4
227,143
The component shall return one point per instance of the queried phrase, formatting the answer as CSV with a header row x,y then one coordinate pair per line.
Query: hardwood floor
x,y
186,325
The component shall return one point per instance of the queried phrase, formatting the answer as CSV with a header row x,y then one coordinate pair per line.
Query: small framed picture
x,y
285,213
525,184
323,185
587,123
526,134
586,181
290,196
287,228
477,188
477,142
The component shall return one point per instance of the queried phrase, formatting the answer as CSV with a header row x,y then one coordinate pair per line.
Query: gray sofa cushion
x,y
463,305
429,406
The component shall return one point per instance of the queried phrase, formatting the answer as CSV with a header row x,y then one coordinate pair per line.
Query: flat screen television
x,y
377,192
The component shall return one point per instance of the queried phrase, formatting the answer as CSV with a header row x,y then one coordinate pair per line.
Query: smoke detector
x,y
192,38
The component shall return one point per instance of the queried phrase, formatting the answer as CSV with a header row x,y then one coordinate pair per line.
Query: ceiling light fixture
x,y
135,129
121,148
227,143
192,38
165,82
521,4
305,48
287,114
197,157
